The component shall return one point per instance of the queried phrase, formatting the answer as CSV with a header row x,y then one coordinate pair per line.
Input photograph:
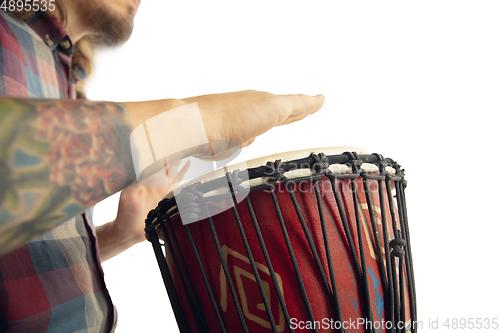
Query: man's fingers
x,y
293,118
248,143
302,106
304,103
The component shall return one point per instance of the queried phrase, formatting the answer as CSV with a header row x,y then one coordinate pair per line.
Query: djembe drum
x,y
304,243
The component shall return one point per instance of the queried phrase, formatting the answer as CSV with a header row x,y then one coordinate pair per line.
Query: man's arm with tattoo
x,y
59,157
56,159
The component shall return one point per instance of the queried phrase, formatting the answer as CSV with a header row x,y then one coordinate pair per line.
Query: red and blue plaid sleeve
x,y
54,283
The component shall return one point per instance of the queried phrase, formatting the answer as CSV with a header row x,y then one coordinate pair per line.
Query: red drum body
x,y
320,244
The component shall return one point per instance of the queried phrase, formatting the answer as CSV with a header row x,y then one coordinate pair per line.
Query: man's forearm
x,y
112,242
59,157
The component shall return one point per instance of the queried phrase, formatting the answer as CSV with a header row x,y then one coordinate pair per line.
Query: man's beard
x,y
108,27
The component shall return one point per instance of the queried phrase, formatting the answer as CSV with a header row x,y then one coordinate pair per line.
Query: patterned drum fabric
x,y
323,248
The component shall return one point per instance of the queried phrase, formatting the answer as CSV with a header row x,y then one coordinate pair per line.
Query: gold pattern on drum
x,y
369,237
256,313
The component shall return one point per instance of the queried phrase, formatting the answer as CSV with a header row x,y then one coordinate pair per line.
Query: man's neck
x,y
72,25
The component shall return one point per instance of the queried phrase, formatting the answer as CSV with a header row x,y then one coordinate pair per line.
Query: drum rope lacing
x,y
393,267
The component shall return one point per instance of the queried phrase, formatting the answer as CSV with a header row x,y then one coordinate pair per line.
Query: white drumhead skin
x,y
294,155
284,156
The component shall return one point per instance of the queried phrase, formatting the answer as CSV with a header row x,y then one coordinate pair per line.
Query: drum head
x,y
256,162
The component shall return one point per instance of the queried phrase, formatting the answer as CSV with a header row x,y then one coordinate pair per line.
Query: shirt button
x,y
48,41
65,44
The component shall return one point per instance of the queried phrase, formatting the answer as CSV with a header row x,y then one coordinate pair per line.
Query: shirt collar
x,y
51,32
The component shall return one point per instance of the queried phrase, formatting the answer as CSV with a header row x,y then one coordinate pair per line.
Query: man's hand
x,y
134,205
242,116
209,126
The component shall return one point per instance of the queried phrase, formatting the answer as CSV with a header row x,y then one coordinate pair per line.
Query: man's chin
x,y
109,28
112,38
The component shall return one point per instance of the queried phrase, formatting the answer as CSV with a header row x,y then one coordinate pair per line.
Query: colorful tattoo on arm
x,y
56,159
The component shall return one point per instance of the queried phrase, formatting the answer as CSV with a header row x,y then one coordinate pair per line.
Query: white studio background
x,y
415,81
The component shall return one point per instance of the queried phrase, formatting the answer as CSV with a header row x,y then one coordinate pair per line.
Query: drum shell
x,y
349,284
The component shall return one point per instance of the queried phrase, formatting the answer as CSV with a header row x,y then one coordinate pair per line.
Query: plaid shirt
x,y
54,283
